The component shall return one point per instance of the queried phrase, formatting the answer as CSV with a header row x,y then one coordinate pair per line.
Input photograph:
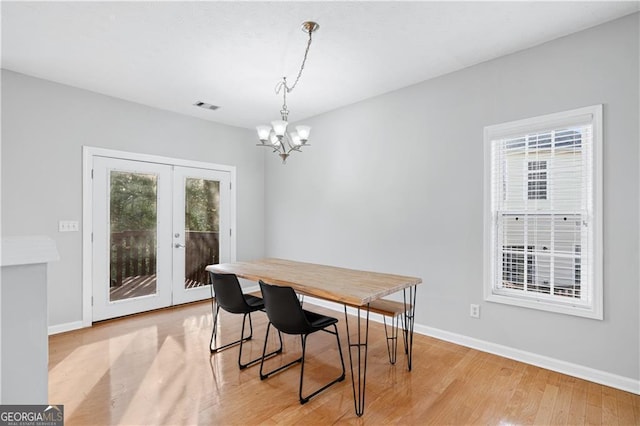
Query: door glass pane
x,y
202,226
133,213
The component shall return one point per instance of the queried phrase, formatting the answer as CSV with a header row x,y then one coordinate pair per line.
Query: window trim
x,y
592,114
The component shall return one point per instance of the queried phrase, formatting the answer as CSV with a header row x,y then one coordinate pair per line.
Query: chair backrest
x,y
284,310
228,293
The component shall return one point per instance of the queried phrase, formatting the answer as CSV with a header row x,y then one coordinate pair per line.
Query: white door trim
x,y
88,154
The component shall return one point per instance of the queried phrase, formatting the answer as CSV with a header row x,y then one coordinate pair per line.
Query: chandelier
x,y
277,136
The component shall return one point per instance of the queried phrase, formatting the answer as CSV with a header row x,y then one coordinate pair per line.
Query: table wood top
x,y
342,285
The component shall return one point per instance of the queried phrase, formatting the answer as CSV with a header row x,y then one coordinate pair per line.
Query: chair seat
x,y
318,321
254,302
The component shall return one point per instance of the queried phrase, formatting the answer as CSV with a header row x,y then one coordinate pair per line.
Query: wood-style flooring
x,y
155,369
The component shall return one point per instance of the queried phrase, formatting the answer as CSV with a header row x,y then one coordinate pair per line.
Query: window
x,y
537,180
543,212
513,275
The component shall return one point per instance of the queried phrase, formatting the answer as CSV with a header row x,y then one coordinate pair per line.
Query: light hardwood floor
x,y
155,369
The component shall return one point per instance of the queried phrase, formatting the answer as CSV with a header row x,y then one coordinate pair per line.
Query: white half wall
x,y
45,125
395,184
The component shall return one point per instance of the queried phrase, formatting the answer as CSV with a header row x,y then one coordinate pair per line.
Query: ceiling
x,y
170,55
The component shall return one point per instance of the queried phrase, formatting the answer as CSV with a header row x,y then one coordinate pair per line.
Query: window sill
x,y
543,305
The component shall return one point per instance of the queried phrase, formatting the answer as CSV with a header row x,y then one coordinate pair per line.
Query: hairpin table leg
x,y
358,354
408,321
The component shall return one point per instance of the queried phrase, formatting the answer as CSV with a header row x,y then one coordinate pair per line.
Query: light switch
x,y
68,226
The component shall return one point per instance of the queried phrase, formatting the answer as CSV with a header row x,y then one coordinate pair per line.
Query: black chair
x,y
229,296
286,314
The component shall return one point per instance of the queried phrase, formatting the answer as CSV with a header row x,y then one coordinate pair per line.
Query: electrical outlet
x,y
474,311
68,226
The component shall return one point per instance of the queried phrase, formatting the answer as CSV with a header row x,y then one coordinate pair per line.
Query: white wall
x,y
395,184
45,125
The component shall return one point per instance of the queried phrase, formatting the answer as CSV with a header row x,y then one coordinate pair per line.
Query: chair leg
x,y
263,356
305,399
215,310
240,364
236,342
264,375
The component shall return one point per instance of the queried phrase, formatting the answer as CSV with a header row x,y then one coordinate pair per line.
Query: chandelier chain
x,y
304,60
283,83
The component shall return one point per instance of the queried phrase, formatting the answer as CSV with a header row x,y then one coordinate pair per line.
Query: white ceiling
x,y
170,55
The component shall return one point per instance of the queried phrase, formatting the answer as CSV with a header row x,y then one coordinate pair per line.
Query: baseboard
x,y
564,367
69,326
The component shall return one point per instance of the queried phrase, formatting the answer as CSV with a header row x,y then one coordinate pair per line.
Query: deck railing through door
x,y
133,254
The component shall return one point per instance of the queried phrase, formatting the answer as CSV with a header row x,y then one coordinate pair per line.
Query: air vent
x,y
206,106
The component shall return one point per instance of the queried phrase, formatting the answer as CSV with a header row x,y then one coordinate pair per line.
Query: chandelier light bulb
x,y
279,127
303,132
263,133
295,139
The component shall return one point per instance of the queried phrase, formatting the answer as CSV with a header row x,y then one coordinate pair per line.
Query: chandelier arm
x,y
278,148
289,145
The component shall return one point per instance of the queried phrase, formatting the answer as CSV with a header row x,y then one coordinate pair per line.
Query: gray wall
x,y
395,184
45,125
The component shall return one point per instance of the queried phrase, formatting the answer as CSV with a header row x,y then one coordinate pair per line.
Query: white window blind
x,y
542,213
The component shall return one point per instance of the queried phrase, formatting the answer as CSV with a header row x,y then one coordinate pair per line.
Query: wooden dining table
x,y
352,288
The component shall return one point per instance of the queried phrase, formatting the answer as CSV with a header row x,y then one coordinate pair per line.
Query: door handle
x,y
178,245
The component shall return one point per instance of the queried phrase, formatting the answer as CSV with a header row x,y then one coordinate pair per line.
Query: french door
x,y
155,228
201,229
